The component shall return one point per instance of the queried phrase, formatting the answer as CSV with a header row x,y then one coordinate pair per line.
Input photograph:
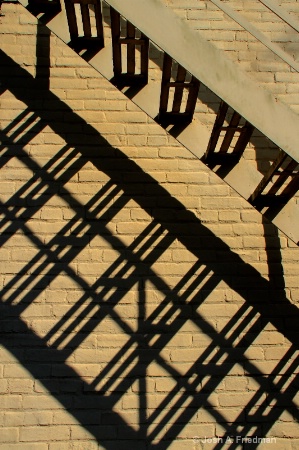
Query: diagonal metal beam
x,y
209,65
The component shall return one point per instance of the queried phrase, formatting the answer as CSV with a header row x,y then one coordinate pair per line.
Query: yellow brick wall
x,y
243,48
144,303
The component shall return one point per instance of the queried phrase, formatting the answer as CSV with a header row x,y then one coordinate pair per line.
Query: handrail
x,y
209,65
256,33
280,12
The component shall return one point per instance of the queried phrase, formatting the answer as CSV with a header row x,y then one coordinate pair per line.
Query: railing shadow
x,y
92,400
260,150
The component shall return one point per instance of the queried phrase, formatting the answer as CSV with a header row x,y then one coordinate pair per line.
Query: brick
x,y
283,430
75,445
87,96
10,402
19,386
24,446
269,338
128,117
59,433
63,83
35,402
228,217
240,399
90,355
254,242
3,386
277,443
10,434
236,383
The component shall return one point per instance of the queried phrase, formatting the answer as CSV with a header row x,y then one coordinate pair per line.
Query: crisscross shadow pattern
x,y
142,323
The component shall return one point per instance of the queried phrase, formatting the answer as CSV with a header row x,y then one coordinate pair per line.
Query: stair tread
x,y
242,177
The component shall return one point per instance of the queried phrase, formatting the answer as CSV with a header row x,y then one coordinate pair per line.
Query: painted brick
x,y
102,343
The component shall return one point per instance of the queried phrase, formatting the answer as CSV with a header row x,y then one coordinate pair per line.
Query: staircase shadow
x,y
92,398
265,150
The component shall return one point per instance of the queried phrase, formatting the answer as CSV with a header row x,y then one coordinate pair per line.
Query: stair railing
x,y
249,105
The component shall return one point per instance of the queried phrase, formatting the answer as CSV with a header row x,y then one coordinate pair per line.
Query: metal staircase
x,y
188,62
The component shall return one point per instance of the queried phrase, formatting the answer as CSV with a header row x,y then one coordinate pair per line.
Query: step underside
x,y
214,144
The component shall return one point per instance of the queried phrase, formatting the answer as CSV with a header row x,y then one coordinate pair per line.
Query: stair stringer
x,y
201,58
207,63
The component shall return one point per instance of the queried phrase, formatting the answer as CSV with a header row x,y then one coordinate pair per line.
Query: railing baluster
x,y
230,133
178,93
244,138
223,154
87,40
220,118
175,115
116,48
130,49
85,19
130,78
72,20
166,74
273,197
229,137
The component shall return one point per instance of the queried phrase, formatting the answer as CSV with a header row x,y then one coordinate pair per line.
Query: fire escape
x,y
118,45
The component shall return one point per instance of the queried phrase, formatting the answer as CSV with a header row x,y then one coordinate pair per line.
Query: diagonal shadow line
x,y
260,307
37,169
193,369
282,399
52,255
67,257
224,345
114,298
176,375
222,351
114,399
143,404
7,154
73,275
171,370
196,402
205,369
19,120
21,204
79,414
147,335
127,383
107,310
39,370
50,190
125,162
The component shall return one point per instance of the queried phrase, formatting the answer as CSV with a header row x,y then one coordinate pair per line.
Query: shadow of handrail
x,y
45,357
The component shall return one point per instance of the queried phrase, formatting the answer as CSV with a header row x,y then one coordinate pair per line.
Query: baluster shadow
x,y
92,399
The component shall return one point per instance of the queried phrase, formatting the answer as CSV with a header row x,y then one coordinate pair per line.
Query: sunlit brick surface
x,y
144,304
